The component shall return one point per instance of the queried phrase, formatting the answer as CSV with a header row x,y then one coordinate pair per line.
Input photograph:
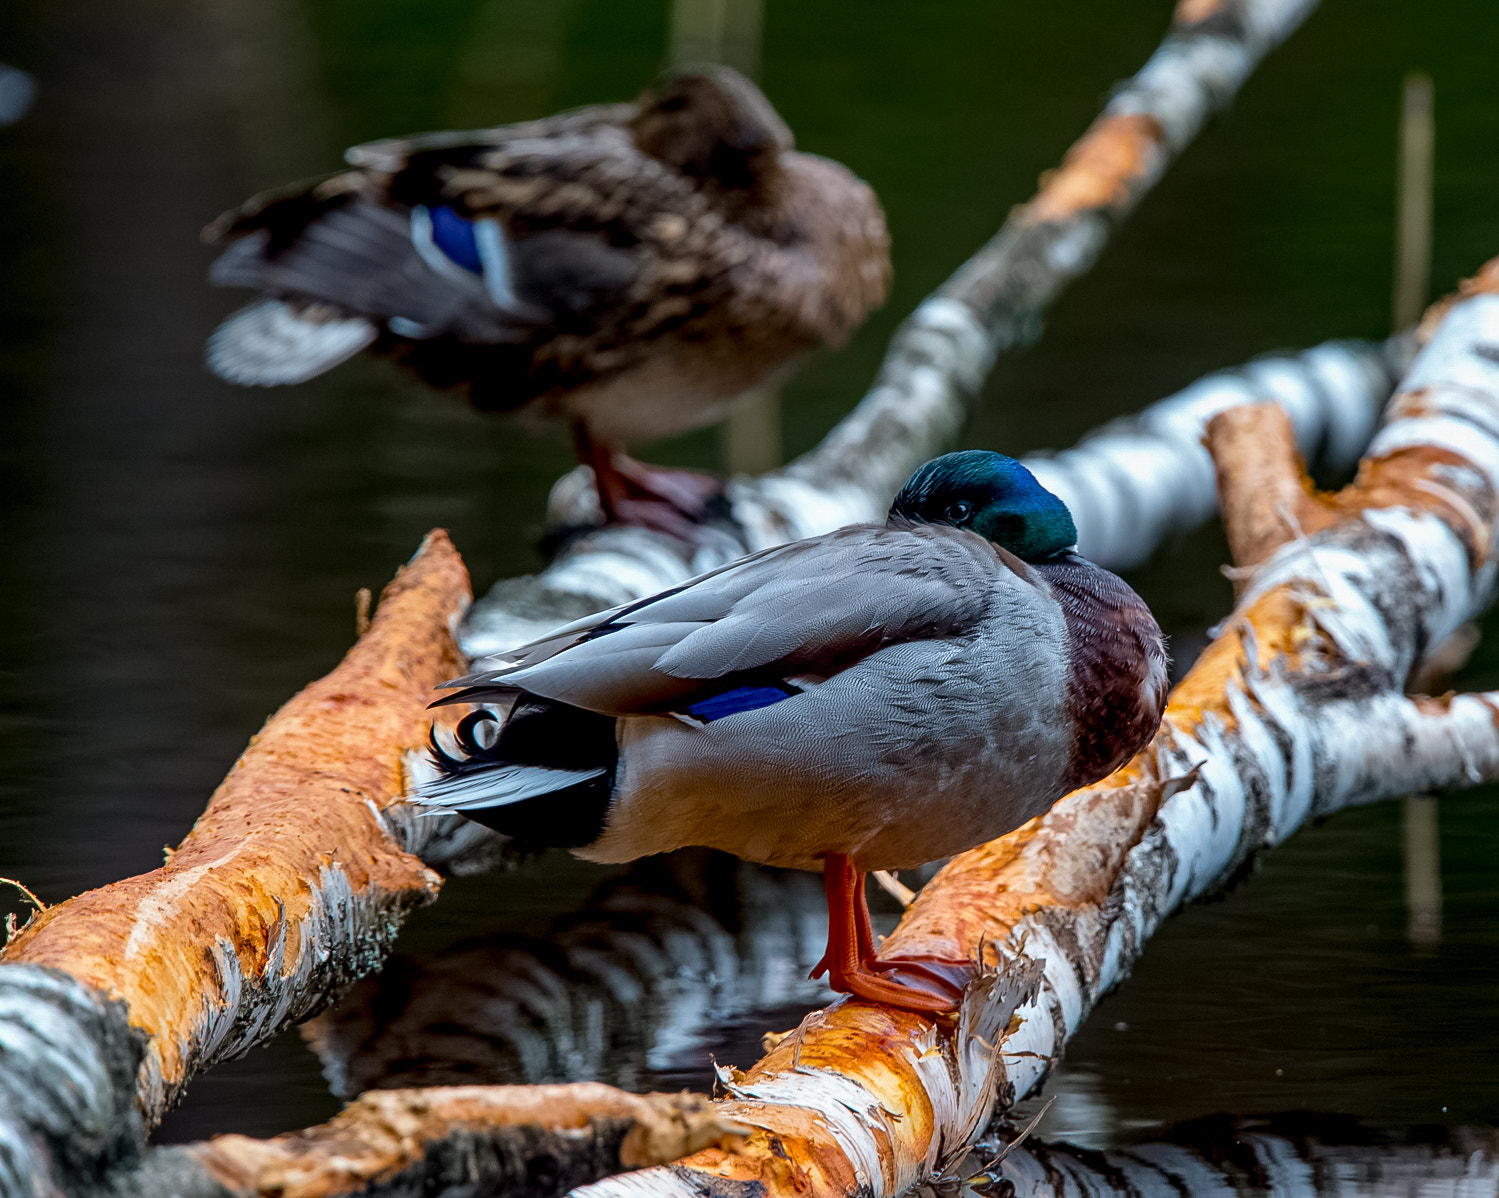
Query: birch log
x,y
1130,485
1296,710
936,364
289,887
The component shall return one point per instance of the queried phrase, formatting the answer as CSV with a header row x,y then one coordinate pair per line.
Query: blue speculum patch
x,y
741,698
454,236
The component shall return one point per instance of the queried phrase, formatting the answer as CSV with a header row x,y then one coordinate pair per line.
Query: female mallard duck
x,y
627,268
874,698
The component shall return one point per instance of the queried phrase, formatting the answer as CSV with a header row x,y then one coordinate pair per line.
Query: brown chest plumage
x,y
1117,682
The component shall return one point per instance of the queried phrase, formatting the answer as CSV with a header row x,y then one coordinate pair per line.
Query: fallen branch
x,y
937,361
524,1141
290,886
1296,710
1136,481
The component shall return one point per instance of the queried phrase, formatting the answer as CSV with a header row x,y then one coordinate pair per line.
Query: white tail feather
x,y
268,344
499,786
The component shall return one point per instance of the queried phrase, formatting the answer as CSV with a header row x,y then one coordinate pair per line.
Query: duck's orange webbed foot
x,y
930,984
951,972
920,993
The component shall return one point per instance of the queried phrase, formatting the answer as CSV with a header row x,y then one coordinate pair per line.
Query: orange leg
x,y
850,963
630,492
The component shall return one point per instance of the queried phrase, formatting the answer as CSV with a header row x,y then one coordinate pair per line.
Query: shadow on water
x,y
177,557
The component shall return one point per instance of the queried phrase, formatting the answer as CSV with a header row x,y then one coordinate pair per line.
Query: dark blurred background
x,y
177,556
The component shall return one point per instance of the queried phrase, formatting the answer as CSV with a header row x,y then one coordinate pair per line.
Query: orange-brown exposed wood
x,y
1193,14
290,885
1117,157
1263,490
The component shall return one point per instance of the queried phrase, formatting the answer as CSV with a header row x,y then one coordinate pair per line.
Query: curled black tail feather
x,y
539,732
468,744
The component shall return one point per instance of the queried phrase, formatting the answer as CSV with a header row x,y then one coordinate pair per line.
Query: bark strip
x,y
290,886
1296,710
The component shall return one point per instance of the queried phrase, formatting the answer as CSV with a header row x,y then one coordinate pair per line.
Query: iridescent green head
x,y
991,495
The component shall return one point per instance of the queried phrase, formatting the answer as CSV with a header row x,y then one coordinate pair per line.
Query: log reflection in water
x,y
1285,1155
461,1141
632,989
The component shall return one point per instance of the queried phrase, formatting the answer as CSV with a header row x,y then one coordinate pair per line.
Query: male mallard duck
x,y
627,268
874,698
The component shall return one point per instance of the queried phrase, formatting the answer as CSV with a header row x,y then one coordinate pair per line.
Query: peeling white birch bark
x,y
1136,481
1380,590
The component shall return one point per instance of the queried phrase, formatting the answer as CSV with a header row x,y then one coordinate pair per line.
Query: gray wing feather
x,y
362,259
814,605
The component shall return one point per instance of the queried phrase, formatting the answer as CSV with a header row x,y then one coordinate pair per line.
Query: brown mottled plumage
x,y
649,263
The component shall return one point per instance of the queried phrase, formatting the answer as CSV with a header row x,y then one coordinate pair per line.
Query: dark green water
x,y
177,557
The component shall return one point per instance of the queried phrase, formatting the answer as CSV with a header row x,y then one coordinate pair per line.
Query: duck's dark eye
x,y
960,511
672,104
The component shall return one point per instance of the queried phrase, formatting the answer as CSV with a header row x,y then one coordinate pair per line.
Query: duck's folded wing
x,y
813,607
489,242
